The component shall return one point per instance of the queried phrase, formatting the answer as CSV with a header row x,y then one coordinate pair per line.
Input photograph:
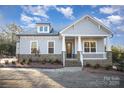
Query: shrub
x,y
52,62
44,61
57,61
96,66
108,67
21,63
6,62
88,65
13,62
27,62
49,61
30,60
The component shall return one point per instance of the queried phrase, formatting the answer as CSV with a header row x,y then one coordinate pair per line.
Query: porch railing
x,y
96,55
91,55
74,56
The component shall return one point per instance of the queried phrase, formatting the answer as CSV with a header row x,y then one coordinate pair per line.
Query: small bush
x,y
6,62
13,62
30,60
50,61
57,61
23,60
88,65
43,62
22,63
27,62
108,67
96,66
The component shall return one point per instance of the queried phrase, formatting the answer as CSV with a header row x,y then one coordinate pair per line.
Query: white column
x,y
108,44
79,44
63,50
63,43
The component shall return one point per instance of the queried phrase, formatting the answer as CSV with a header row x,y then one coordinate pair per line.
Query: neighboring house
x,y
86,41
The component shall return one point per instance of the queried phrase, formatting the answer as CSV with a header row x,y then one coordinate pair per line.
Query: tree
x,y
8,38
117,54
9,31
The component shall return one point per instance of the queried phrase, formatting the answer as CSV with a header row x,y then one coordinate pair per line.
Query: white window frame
x,y
40,30
43,29
89,46
31,44
48,46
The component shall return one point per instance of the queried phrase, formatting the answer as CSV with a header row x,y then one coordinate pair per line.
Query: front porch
x,y
75,51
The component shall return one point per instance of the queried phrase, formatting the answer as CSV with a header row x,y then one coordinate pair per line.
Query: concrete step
x,y
72,63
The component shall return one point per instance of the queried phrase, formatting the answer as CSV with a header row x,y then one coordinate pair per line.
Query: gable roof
x,y
92,18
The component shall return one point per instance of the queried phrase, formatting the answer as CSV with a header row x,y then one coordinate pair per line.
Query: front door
x,y
69,49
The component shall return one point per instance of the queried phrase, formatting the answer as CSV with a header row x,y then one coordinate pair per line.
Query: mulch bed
x,y
103,71
32,65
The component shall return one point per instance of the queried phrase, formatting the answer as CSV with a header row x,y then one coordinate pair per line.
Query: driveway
x,y
72,77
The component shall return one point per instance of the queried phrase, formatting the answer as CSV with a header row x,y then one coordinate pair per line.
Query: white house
x,y
86,41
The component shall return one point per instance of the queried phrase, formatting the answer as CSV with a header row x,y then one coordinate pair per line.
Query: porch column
x,y
80,55
79,44
63,43
63,50
108,44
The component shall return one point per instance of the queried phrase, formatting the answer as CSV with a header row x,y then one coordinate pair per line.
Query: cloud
x,y
29,22
67,12
115,19
36,10
104,21
36,14
108,10
26,18
110,20
121,28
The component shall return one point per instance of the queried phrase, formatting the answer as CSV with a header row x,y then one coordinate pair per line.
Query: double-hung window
x,y
34,47
43,29
51,47
90,46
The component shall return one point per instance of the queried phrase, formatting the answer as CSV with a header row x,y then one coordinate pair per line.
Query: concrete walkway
x,y
64,77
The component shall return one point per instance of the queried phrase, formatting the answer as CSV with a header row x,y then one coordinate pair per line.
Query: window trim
x,y
90,46
31,44
48,46
38,28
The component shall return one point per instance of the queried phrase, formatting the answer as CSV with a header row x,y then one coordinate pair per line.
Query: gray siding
x,y
24,46
85,27
42,44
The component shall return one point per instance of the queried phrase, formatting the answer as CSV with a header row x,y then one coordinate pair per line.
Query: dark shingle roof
x,y
35,33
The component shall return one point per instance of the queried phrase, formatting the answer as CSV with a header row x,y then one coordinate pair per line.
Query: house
x,y
86,41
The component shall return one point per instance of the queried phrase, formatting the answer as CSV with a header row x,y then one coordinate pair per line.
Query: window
x,y
89,46
50,47
34,47
41,29
45,29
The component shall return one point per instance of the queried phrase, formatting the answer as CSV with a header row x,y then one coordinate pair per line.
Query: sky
x,y
62,16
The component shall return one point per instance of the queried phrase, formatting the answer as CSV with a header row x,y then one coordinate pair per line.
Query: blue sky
x,y
61,16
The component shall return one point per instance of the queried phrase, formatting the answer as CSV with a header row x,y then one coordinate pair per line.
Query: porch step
x,y
72,63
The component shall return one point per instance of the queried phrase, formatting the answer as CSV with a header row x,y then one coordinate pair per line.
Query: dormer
x,y
43,27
